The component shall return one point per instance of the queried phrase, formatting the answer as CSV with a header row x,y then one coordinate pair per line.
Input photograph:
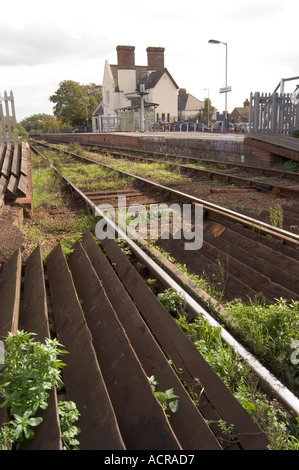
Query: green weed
x,y
281,427
162,173
31,370
46,188
269,331
291,165
276,216
95,177
172,300
168,399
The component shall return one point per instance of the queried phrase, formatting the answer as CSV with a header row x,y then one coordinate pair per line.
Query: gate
x,y
8,121
273,112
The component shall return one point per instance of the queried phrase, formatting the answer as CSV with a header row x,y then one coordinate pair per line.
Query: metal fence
x,y
8,121
274,112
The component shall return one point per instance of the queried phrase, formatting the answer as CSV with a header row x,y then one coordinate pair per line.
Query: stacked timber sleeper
x,y
13,171
117,334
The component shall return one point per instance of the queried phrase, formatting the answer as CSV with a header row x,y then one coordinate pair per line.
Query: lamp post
x,y
208,106
215,41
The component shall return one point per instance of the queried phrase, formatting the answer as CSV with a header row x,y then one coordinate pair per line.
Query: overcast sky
x,y
44,43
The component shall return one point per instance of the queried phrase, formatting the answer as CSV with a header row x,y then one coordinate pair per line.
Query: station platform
x,y
232,148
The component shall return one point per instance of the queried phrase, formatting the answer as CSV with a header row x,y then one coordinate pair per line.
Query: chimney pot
x,y
126,57
155,58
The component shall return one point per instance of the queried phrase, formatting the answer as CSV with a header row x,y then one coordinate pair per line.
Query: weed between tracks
x,y
56,217
161,173
281,428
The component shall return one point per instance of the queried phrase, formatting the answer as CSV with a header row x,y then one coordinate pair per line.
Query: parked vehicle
x,y
241,127
175,126
189,126
218,126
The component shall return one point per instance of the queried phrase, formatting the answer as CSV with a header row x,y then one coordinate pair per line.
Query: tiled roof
x,y
142,76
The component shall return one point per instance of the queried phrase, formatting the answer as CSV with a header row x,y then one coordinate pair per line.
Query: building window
x,y
163,117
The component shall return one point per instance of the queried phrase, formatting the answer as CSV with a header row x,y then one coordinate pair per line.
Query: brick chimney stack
x,y
126,57
155,58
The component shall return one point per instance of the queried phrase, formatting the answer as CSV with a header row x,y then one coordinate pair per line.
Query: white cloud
x,y
70,39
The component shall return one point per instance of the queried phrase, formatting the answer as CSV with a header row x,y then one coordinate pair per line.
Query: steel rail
x,y
260,225
267,378
235,216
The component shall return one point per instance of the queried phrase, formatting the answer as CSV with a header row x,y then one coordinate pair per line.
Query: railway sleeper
x,y
280,270
234,278
107,351
226,285
183,353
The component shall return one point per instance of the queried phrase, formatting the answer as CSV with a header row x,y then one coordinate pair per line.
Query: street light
x,y
208,106
215,41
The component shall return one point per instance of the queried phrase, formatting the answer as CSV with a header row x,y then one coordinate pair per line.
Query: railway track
x,y
117,370
258,179
284,188
252,177
256,259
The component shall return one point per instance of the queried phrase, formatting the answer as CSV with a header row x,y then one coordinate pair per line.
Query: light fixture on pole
x,y
208,106
225,90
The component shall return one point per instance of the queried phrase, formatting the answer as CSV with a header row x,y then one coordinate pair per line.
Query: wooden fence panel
x,y
8,122
273,112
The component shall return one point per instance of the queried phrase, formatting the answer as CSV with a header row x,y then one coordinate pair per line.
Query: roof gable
x,y
142,76
189,102
154,77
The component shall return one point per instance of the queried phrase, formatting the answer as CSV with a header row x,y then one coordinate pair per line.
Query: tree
x,y
41,123
34,122
74,103
207,112
50,123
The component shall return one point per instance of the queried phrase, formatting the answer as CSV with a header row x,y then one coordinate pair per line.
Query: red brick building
x,y
240,114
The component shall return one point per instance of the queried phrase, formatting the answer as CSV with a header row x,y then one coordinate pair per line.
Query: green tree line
x,y
74,104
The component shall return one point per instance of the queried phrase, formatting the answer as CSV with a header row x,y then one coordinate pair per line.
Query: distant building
x,y
240,114
126,84
188,105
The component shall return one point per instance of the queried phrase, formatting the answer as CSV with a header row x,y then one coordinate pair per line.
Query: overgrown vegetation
x,y
32,369
270,331
276,216
172,300
46,192
52,215
68,415
281,427
160,172
291,165
94,177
